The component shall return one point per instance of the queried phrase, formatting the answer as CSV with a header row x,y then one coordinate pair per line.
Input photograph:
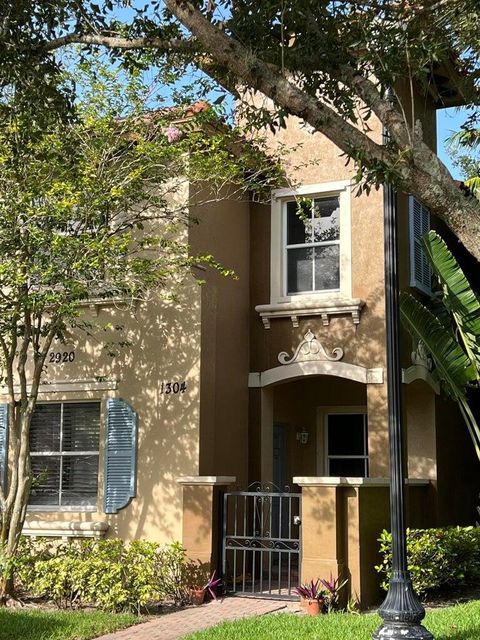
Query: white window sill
x,y
324,306
68,529
96,304
38,508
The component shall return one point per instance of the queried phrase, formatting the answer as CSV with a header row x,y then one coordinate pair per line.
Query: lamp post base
x,y
402,631
402,611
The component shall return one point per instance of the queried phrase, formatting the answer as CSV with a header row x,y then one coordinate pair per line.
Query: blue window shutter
x,y
120,455
419,225
3,444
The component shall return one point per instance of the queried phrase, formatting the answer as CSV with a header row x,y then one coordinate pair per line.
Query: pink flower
x,y
172,133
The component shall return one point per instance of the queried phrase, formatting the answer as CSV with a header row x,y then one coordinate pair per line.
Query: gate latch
x,y
297,520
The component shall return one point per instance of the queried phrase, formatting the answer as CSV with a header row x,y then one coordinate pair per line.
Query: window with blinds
x,y
419,225
64,443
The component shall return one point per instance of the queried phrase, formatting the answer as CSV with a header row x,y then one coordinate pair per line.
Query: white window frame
x,y
323,459
63,454
278,266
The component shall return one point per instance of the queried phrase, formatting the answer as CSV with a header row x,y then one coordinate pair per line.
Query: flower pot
x,y
313,607
197,596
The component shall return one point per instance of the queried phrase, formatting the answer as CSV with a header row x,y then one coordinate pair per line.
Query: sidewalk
x,y
172,626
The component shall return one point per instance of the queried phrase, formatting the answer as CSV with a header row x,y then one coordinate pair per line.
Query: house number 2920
x,y
61,356
173,387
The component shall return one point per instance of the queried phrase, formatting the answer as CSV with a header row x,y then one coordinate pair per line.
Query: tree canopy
x,y
332,64
95,198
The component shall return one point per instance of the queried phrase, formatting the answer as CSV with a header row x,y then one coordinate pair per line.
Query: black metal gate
x,y
261,549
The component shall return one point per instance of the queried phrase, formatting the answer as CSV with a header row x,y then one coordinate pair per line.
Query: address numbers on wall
x,y
61,356
173,387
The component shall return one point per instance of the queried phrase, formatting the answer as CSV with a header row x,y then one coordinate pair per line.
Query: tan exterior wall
x,y
298,405
164,338
421,432
458,467
223,230
341,525
197,334
363,343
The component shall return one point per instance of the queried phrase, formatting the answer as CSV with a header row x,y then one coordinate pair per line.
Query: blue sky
x,y
448,121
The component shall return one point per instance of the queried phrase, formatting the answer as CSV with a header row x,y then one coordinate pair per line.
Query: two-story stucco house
x,y
276,378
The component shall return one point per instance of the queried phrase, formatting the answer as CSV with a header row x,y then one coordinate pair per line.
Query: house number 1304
x,y
173,387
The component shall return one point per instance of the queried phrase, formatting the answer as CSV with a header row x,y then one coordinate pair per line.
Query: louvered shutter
x,y
120,455
420,270
3,444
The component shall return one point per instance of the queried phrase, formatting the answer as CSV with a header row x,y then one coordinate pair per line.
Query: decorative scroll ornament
x,y
310,349
422,357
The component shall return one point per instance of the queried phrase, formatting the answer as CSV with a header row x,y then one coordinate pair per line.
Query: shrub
x,y
437,558
108,574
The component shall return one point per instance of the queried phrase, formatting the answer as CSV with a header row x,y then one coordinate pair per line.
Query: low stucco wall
x,y
341,522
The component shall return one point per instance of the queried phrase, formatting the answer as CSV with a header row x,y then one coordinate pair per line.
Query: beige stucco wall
x,y
195,333
165,346
223,231
298,406
315,161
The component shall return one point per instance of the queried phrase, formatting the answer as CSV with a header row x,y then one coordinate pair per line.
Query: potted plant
x,y
311,597
332,588
197,593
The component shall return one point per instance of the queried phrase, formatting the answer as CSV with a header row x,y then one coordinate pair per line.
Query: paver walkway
x,y
172,626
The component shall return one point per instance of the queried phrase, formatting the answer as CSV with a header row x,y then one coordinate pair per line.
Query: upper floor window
x,y
312,245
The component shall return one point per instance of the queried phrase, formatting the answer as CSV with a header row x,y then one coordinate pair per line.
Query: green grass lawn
x,y
453,623
64,625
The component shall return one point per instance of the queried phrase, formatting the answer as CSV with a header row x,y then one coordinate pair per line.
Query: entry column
x,y
201,516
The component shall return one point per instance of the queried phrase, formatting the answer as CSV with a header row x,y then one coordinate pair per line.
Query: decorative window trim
x,y
95,305
325,306
69,386
342,189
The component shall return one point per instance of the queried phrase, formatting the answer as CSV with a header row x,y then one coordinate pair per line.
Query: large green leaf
x,y
458,295
453,365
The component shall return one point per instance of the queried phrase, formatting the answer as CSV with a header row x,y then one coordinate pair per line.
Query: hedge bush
x,y
108,574
437,558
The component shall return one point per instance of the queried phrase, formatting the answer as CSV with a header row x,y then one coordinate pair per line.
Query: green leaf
x,y
453,366
458,295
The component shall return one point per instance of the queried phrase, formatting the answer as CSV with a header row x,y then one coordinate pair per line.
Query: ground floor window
x,y
64,444
347,444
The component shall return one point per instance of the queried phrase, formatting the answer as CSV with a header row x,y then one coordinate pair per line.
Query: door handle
x,y
297,520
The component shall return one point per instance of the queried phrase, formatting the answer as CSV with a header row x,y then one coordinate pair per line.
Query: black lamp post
x,y
401,610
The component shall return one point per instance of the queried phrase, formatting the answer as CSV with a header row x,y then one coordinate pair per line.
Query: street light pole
x,y
401,610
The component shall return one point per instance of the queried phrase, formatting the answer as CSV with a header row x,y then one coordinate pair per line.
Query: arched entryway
x,y
318,418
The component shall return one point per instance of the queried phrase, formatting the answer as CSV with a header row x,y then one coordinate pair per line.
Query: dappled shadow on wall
x,y
155,361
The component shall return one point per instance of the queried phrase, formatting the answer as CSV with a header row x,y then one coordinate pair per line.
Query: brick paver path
x,y
172,626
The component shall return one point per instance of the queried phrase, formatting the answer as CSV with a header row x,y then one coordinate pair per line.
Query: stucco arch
x,y
298,370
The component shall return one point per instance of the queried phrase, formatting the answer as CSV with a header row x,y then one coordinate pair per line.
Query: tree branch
x,y
116,42
264,78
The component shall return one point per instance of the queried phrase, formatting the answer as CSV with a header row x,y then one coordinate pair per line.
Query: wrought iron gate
x,y
261,549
